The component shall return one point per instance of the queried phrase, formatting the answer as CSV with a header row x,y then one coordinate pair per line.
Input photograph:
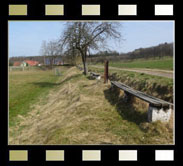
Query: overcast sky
x,y
25,37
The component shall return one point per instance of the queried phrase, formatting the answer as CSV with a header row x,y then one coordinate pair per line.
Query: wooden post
x,y
127,97
106,65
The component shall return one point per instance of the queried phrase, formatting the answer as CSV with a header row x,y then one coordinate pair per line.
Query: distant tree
x,y
10,63
51,51
71,56
83,36
43,50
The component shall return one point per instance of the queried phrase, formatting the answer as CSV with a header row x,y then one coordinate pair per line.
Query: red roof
x,y
32,63
16,63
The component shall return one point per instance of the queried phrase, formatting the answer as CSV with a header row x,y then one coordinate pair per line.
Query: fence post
x,y
106,64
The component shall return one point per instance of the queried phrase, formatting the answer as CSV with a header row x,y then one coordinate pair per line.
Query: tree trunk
x,y
44,61
85,67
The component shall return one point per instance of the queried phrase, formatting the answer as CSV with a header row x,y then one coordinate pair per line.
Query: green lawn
x,y
25,88
164,64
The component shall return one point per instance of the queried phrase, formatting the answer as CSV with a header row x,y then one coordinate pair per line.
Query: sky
x,y
25,37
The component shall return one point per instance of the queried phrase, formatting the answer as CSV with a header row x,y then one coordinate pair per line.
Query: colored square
x,y
127,9
18,155
127,155
164,155
16,10
91,155
90,10
163,10
54,10
54,155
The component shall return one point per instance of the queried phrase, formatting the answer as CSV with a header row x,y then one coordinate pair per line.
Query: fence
x,y
57,71
21,68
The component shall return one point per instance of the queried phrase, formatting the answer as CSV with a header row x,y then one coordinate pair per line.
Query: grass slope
x,y
157,86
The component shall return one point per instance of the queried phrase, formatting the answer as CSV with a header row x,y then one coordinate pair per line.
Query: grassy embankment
x,y
157,86
78,110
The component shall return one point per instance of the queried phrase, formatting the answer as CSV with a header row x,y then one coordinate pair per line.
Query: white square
x,y
127,155
164,155
127,9
161,10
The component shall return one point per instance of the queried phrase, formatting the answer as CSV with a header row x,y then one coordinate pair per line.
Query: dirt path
x,y
156,72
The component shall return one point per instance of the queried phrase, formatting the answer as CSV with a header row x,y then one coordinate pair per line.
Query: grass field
x,y
25,88
74,109
164,63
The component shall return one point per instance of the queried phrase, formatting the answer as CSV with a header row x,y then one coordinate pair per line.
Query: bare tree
x,y
84,36
43,50
51,51
71,56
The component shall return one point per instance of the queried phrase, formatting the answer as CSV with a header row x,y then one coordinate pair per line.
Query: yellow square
x,y
15,10
90,9
54,10
18,155
54,155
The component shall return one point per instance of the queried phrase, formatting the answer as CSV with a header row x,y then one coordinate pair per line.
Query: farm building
x,y
16,63
31,63
26,63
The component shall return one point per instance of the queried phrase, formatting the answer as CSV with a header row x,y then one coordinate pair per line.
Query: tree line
x,y
159,51
70,57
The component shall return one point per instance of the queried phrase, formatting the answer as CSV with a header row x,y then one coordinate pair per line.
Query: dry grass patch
x,y
84,111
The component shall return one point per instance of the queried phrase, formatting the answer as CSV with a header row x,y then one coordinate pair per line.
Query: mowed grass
x,y
164,64
85,111
25,88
